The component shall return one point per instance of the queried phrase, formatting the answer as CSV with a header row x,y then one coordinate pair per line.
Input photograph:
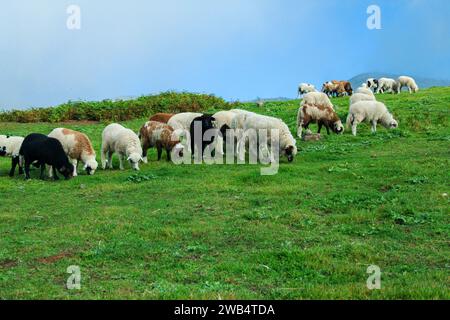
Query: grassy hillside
x,y
199,231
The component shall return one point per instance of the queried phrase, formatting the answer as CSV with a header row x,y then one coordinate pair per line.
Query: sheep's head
x,y
2,151
90,166
290,152
338,127
134,160
178,149
66,170
393,124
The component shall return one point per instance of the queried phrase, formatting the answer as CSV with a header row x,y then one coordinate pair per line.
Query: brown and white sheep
x,y
161,117
321,114
162,136
77,147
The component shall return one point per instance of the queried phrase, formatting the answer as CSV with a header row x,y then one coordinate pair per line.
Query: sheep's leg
x,y
14,163
103,156
159,148
328,129
121,161
50,171
168,154
55,175
320,127
42,171
354,126
110,163
374,126
75,164
27,169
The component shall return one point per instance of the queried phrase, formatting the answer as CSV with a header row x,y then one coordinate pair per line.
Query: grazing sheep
x,y
77,147
162,136
372,84
44,150
318,98
332,89
346,85
207,123
321,114
161,117
386,85
287,143
116,138
356,97
409,82
365,90
10,146
304,88
224,121
183,120
372,112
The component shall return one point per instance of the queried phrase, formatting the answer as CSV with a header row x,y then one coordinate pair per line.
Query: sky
x,y
236,49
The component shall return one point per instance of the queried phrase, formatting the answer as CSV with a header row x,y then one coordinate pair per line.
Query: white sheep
x,y
77,147
317,98
223,121
304,88
183,120
372,84
116,138
372,112
386,85
256,122
365,90
10,147
362,94
409,82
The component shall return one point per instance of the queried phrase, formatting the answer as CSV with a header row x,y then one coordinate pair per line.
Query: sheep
x,y
204,122
116,138
287,143
404,81
183,120
10,146
77,147
319,98
162,136
224,121
361,97
161,117
346,85
304,88
330,89
44,150
387,85
370,111
365,90
324,115
372,84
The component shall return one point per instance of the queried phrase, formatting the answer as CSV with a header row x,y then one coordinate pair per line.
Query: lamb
x,y
387,85
304,88
183,120
324,115
287,143
162,136
319,98
409,82
161,117
116,138
370,111
77,147
44,150
10,146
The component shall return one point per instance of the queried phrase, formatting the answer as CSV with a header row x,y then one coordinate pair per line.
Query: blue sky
x,y
237,49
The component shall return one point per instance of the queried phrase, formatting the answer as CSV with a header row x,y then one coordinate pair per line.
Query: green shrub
x,y
120,110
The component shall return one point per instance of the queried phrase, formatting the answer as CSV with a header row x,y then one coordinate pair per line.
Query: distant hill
x,y
421,81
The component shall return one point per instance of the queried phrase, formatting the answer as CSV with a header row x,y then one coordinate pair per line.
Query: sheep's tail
x,y
349,120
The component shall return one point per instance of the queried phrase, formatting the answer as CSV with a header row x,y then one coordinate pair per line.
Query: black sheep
x,y
45,151
206,123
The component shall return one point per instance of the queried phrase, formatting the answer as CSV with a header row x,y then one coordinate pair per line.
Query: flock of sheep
x,y
63,149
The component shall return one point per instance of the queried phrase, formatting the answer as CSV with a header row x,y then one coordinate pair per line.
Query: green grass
x,y
209,232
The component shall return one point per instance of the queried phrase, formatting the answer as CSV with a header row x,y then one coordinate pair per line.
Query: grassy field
x,y
210,232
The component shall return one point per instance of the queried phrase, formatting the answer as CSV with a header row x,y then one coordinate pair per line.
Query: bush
x,y
120,110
